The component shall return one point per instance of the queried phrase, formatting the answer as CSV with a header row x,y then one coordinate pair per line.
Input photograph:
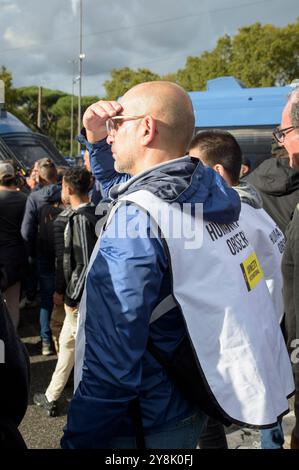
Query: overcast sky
x,y
39,39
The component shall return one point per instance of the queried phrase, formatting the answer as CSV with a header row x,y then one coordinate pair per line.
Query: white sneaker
x,y
47,349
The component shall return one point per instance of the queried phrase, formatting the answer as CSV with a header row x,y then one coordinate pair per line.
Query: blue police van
x,y
21,144
250,114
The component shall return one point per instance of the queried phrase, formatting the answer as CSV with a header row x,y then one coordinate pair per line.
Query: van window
x,y
31,147
28,154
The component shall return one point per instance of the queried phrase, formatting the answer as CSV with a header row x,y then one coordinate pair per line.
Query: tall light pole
x,y
39,107
81,57
74,80
72,118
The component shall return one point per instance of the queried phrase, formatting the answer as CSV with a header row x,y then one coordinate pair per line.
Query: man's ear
x,y
67,190
219,169
149,130
70,191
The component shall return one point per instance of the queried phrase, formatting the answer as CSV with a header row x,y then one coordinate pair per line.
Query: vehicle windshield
x,y
28,154
29,148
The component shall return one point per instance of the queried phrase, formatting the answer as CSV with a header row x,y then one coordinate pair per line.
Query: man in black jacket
x,y
14,379
58,313
288,136
278,184
38,248
12,250
79,240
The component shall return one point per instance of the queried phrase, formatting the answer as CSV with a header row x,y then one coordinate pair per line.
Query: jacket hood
x,y
249,194
185,180
47,194
275,177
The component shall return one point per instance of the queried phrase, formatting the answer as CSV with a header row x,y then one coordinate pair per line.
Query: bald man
x,y
149,302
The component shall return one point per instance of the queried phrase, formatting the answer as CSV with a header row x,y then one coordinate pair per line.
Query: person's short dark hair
x,y
246,161
47,170
78,179
60,172
246,166
218,146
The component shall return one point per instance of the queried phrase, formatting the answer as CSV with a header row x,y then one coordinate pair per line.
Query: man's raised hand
x,y
95,117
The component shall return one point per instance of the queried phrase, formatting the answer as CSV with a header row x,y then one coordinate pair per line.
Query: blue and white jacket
x,y
127,279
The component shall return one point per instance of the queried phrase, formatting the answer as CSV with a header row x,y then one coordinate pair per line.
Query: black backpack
x,y
45,240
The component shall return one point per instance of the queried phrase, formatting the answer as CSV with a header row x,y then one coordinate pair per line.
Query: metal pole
x,y
39,108
2,94
81,56
72,117
72,109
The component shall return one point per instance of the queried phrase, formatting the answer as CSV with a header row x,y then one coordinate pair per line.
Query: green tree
x,y
123,79
265,55
170,77
61,132
258,55
209,65
56,110
10,92
27,103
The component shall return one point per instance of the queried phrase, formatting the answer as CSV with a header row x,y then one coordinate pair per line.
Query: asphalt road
x,y
38,430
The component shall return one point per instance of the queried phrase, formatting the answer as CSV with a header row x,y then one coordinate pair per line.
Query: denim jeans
x,y
272,438
31,280
182,434
46,272
213,436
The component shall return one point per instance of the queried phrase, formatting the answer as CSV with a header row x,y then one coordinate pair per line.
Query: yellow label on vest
x,y
252,271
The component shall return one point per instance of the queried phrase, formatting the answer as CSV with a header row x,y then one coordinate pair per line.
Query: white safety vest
x,y
268,242
228,312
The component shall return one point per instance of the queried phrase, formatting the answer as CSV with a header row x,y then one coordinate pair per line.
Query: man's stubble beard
x,y
124,167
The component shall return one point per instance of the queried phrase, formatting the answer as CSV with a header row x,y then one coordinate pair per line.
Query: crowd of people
x,y
173,332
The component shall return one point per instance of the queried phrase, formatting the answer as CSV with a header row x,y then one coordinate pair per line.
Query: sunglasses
x,y
112,124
